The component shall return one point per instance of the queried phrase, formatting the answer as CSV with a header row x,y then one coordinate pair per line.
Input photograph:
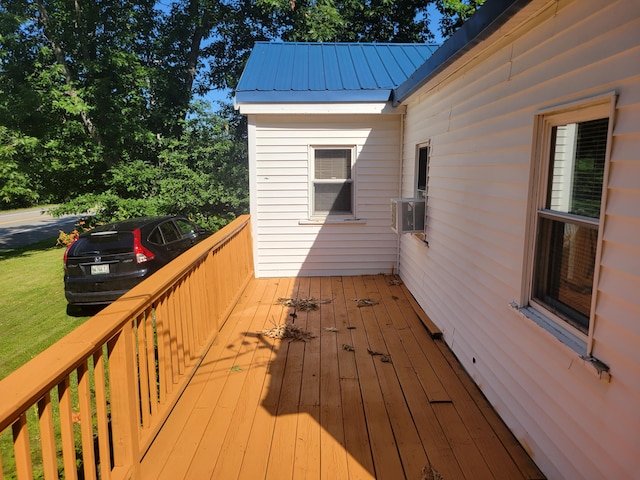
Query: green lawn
x,y
33,315
32,305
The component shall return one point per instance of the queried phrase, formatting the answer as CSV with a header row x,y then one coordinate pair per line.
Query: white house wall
x,y
286,243
479,122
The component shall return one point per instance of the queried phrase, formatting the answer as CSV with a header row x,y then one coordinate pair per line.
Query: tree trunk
x,y
68,77
203,26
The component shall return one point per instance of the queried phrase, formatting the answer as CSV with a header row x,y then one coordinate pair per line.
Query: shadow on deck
x,y
371,395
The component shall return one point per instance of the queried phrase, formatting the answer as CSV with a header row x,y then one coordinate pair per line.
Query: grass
x,y
33,316
33,311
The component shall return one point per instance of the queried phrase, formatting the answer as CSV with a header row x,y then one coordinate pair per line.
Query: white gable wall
x,y
285,242
479,123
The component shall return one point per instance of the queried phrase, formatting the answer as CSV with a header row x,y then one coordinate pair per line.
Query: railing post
x,y
124,400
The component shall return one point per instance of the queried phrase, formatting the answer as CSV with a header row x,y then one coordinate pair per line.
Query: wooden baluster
x,y
22,448
124,401
86,422
66,429
47,437
102,415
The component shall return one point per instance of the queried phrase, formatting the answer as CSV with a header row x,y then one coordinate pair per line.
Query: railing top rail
x,y
27,384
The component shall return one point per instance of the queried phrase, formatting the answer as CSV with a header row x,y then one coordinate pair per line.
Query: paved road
x,y
24,227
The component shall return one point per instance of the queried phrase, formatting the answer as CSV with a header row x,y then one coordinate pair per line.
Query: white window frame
x,y
313,215
574,112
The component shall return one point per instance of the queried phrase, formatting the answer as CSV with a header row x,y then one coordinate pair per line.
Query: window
x,y
156,237
574,153
418,209
169,232
186,228
332,185
422,171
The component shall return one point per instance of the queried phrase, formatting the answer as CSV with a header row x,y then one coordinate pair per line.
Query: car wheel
x,y
75,310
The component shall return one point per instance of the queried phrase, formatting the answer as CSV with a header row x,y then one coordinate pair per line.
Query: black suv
x,y
104,263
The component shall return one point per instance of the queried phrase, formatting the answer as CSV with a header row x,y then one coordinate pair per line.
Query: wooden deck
x,y
373,395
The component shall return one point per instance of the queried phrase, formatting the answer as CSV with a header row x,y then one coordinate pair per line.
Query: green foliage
x,y
455,13
97,98
15,182
202,175
67,238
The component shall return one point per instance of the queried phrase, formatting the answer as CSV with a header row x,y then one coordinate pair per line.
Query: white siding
x,y
284,244
480,125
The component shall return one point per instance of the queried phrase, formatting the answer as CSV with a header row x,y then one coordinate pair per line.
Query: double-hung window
x,y
571,179
332,188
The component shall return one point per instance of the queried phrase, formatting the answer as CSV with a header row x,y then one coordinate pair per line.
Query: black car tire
x,y
75,310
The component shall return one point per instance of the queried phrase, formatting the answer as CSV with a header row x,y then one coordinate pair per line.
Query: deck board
x,y
330,407
307,454
258,446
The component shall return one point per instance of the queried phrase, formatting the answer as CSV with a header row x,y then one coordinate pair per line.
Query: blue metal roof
x,y
290,72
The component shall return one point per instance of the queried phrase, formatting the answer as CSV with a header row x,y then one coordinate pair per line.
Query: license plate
x,y
99,269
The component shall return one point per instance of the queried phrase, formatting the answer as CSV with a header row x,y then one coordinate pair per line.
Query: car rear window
x,y
104,244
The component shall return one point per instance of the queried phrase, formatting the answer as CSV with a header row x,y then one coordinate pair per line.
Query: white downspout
x,y
253,191
401,152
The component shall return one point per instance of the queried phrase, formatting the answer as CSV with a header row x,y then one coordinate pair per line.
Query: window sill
x,y
574,342
566,337
422,237
332,221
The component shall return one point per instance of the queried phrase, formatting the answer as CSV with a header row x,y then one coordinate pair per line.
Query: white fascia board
x,y
320,108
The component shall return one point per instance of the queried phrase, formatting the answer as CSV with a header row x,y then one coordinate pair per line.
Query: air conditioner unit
x,y
407,215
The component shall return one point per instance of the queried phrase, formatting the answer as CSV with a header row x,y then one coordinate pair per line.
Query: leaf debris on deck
x,y
364,302
302,304
288,330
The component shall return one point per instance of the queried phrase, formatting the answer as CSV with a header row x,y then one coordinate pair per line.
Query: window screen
x,y
332,184
577,169
333,164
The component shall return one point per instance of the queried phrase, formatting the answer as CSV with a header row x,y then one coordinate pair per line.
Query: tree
x,y
455,13
97,97
16,186
73,79
202,175
360,21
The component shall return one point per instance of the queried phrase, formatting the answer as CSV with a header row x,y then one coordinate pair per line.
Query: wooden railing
x,y
91,404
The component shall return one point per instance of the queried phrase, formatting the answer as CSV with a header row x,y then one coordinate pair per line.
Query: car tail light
x,y
66,253
142,254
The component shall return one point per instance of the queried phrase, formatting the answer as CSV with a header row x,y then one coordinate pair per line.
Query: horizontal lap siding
x,y
480,126
280,201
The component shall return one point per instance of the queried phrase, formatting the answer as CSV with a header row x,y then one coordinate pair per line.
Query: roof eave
x,y
311,96
488,19
319,108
